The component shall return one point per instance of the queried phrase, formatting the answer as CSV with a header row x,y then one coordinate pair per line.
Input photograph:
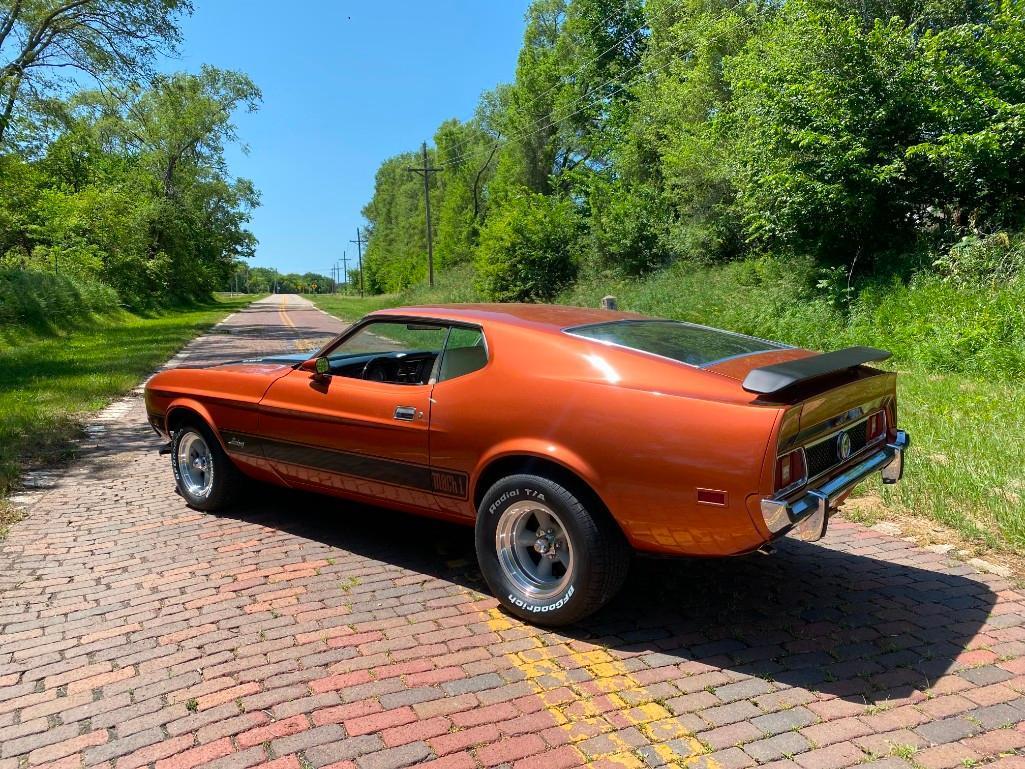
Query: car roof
x,y
542,317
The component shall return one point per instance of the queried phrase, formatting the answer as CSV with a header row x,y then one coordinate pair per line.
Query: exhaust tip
x,y
767,549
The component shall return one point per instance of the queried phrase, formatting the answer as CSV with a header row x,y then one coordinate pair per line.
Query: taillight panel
x,y
875,426
791,470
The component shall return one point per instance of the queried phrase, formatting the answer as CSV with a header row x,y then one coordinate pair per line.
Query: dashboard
x,y
409,368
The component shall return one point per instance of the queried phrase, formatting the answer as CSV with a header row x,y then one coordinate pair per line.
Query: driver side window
x,y
389,351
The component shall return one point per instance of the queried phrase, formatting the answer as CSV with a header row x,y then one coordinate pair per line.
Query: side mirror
x,y
321,366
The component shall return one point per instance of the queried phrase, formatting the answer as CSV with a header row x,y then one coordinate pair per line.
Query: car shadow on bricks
x,y
859,617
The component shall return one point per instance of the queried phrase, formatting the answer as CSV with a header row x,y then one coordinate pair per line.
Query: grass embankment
x,y
38,304
960,352
51,377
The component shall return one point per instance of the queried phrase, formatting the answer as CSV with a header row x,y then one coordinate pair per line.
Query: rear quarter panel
x,y
645,433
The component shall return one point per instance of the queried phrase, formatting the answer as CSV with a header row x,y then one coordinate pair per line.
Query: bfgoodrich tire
x,y
203,473
546,557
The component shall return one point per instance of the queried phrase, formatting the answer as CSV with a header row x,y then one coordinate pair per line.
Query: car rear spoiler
x,y
772,379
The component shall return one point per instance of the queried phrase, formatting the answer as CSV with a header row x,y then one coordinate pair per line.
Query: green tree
x,y
396,254
132,188
466,152
850,134
821,115
176,131
44,42
971,156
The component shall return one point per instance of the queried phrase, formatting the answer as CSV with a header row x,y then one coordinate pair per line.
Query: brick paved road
x,y
299,632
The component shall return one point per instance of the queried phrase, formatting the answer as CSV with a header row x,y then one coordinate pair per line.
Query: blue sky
x,y
345,85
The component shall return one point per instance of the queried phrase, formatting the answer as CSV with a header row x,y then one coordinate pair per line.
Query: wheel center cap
x,y
541,545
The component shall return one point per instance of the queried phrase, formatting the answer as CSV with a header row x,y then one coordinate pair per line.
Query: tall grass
x,y
41,302
966,466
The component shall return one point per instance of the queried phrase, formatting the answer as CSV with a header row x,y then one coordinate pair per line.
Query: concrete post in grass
x,y
608,303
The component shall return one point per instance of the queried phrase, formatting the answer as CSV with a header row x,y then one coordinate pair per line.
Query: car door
x,y
362,428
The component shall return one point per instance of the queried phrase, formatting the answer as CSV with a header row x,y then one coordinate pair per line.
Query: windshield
x,y
685,342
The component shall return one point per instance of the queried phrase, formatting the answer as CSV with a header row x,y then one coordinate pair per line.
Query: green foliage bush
x,y
529,249
822,112
975,261
453,284
629,226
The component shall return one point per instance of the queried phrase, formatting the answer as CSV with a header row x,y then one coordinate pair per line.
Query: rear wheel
x,y
204,474
544,554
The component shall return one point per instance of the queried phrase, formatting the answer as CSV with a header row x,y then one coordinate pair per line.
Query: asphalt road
x,y
300,631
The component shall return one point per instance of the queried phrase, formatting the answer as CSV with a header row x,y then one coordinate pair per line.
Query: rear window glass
x,y
685,342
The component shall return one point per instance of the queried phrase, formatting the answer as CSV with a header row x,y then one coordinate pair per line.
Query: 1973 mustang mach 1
x,y
568,437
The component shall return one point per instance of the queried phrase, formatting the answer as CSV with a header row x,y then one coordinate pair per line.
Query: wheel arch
x,y
519,462
185,410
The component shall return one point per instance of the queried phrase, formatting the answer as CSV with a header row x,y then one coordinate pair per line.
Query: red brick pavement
x,y
305,632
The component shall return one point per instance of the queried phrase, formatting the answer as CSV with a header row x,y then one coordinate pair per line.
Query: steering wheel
x,y
374,370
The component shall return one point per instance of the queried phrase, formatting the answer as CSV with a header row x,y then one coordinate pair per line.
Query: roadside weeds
x,y
9,515
870,510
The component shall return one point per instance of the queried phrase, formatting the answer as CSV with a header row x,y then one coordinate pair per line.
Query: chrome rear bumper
x,y
809,511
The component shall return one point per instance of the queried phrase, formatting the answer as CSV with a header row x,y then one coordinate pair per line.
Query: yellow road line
x,y
301,345
547,669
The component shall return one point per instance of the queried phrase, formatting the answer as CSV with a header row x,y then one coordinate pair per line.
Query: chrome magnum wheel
x,y
547,555
203,473
534,551
194,465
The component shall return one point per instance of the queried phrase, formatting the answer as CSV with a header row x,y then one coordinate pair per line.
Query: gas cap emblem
x,y
843,446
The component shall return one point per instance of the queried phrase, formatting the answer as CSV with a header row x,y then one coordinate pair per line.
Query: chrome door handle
x,y
405,413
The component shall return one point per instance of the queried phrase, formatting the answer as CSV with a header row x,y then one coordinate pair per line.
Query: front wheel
x,y
545,556
203,473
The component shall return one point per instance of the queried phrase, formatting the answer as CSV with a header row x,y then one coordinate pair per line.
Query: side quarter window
x,y
465,352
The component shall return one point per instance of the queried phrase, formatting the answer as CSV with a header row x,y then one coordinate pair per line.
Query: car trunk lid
x,y
819,403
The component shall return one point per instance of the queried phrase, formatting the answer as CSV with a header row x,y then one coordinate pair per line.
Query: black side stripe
x,y
447,483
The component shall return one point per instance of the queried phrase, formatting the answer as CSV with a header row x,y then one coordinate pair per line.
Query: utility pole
x,y
426,172
360,242
345,270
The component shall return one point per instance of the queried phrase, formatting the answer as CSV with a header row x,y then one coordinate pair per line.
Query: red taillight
x,y
876,426
789,469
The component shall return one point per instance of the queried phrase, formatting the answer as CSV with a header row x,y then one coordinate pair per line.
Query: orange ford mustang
x,y
568,437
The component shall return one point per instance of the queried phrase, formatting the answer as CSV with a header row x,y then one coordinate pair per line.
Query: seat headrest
x,y
462,360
